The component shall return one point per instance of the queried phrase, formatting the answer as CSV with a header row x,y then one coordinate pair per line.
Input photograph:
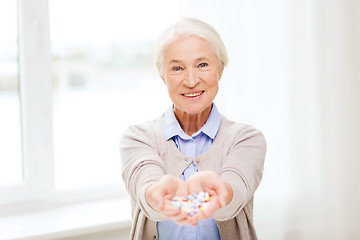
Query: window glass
x,y
10,135
104,80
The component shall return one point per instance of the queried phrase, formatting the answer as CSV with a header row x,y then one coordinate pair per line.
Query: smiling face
x,y
191,74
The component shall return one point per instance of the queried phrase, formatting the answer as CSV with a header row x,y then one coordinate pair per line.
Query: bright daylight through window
x,y
11,171
104,79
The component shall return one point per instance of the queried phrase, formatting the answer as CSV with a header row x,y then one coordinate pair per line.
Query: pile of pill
x,y
192,203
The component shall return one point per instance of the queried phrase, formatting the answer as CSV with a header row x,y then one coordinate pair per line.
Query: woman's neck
x,y
191,123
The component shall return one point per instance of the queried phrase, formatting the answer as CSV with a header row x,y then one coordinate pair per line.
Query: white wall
x,y
326,129
294,73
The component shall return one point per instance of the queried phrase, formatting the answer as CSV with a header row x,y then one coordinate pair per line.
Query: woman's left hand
x,y
220,193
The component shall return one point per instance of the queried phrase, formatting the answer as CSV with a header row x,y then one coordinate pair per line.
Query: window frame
x,y
37,189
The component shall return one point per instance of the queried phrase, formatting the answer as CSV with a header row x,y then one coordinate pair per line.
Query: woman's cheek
x,y
174,83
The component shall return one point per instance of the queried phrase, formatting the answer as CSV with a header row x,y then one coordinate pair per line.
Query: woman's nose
x,y
191,79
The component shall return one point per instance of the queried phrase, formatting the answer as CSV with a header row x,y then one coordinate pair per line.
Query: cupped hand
x,y
160,194
219,191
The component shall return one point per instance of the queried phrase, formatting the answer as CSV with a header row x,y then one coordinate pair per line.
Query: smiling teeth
x,y
192,94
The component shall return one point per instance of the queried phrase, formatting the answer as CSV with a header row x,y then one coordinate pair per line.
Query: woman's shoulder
x,y
233,126
239,131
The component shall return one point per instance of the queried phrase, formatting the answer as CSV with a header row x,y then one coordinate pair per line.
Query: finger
x,y
183,221
182,216
209,211
219,189
169,209
159,193
211,192
225,194
194,186
182,189
193,220
157,201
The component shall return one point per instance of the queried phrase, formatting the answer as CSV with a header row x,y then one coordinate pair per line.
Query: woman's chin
x,y
192,110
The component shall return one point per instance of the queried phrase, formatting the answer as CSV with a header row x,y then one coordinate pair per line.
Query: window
x,y
104,79
83,79
11,171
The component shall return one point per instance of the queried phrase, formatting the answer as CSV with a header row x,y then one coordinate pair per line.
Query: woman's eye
x,y
203,65
176,68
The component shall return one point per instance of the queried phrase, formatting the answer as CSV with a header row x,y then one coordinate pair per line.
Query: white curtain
x,y
294,73
325,79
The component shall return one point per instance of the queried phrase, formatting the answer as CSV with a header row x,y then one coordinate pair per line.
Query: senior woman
x,y
192,148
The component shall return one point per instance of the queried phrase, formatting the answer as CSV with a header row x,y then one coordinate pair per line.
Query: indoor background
x,y
74,74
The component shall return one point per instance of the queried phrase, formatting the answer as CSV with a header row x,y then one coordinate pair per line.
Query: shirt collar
x,y
212,125
171,126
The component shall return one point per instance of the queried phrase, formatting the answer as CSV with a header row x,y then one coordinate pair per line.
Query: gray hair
x,y
189,27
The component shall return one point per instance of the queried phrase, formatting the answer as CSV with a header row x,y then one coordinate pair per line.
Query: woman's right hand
x,y
160,194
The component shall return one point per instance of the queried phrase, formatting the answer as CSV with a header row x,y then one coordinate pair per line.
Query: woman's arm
x,y
141,166
242,169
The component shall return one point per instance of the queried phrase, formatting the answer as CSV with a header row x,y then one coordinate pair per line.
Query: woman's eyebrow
x,y
174,61
201,59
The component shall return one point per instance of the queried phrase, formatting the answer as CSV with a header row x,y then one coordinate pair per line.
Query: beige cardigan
x,y
237,155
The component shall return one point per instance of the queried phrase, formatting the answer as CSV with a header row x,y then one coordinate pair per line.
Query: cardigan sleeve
x,y
242,168
141,165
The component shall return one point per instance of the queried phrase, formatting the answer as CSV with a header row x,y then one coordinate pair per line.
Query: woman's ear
x,y
163,78
221,70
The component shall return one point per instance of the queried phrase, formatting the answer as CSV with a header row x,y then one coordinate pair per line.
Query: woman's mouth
x,y
192,95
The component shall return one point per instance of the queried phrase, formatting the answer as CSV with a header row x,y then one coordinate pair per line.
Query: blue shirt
x,y
190,146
